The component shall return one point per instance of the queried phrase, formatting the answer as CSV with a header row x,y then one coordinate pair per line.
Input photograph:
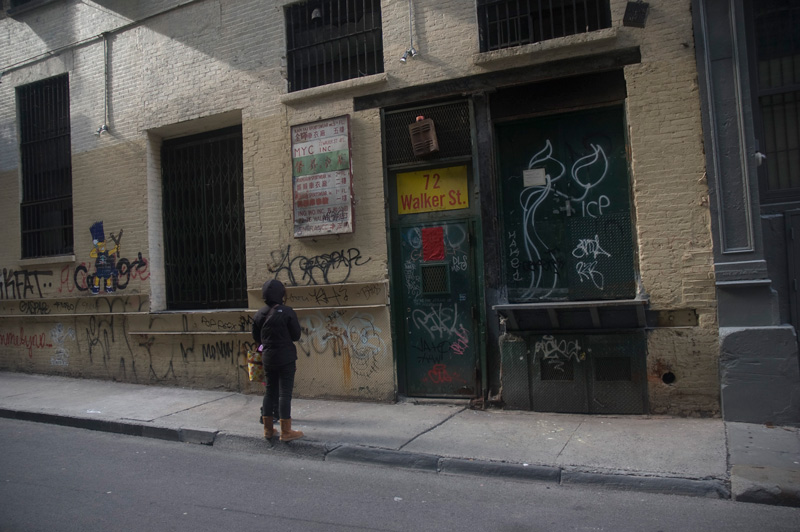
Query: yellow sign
x,y
442,189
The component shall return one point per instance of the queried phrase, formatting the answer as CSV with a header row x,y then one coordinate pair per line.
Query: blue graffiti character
x,y
104,259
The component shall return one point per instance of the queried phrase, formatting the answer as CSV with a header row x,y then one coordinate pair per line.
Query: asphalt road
x,y
61,479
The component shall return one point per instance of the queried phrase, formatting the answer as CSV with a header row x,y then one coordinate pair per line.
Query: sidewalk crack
x,y
569,440
192,407
448,418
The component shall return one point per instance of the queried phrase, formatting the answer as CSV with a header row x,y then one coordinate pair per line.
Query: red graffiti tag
x,y
439,375
30,342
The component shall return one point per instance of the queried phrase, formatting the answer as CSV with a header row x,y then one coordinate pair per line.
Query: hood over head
x,y
272,292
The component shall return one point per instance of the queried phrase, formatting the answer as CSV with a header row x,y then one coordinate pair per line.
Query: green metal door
x,y
566,207
438,299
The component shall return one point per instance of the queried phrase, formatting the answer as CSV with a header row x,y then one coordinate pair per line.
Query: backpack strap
x,y
269,315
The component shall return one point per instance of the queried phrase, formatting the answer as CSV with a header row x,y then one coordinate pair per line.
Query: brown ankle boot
x,y
287,434
269,428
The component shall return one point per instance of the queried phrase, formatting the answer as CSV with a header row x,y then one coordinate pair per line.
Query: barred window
x,y
509,23
778,54
46,157
332,40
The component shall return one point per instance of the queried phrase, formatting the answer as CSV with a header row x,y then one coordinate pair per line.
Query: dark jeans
x,y
280,383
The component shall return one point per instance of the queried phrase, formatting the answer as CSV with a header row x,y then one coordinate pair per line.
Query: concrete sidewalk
x,y
700,457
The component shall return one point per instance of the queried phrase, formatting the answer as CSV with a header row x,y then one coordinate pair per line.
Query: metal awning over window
x,y
575,315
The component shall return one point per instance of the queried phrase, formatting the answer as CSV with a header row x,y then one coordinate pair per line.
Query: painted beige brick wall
x,y
212,63
672,216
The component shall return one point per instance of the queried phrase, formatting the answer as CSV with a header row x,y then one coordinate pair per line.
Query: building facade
x,y
749,64
492,199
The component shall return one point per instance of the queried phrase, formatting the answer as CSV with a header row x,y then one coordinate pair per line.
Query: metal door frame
x,y
394,225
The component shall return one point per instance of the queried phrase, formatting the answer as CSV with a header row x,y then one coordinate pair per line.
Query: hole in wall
x,y
668,378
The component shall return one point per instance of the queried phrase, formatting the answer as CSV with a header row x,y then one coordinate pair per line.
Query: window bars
x,y
332,40
778,55
46,209
508,23
203,212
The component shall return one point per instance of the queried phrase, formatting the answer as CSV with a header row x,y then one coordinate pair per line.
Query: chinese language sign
x,y
442,189
322,177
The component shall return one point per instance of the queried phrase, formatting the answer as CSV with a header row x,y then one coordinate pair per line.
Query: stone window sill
x,y
333,88
552,49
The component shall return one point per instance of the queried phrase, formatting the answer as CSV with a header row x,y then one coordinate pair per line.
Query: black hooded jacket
x,y
278,333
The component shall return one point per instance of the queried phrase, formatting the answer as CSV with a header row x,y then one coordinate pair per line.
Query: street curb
x,y
187,435
385,457
716,489
462,466
302,448
759,484
407,460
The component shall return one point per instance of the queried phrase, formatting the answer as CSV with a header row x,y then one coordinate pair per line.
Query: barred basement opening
x,y
203,210
507,23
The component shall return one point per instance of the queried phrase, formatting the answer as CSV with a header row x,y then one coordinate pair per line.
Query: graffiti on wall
x,y
543,262
556,352
23,284
58,334
108,273
356,339
27,341
326,268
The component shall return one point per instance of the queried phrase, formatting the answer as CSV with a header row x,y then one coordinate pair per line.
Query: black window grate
x,y
203,211
434,279
778,55
332,40
46,156
508,23
453,130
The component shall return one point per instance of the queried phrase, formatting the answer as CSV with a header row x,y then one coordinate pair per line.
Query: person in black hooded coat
x,y
276,328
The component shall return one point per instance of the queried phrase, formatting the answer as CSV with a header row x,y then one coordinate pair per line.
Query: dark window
x,y
17,3
203,211
508,23
46,209
332,40
777,36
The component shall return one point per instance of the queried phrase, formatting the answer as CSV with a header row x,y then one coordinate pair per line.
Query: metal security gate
x,y
566,207
203,211
576,372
